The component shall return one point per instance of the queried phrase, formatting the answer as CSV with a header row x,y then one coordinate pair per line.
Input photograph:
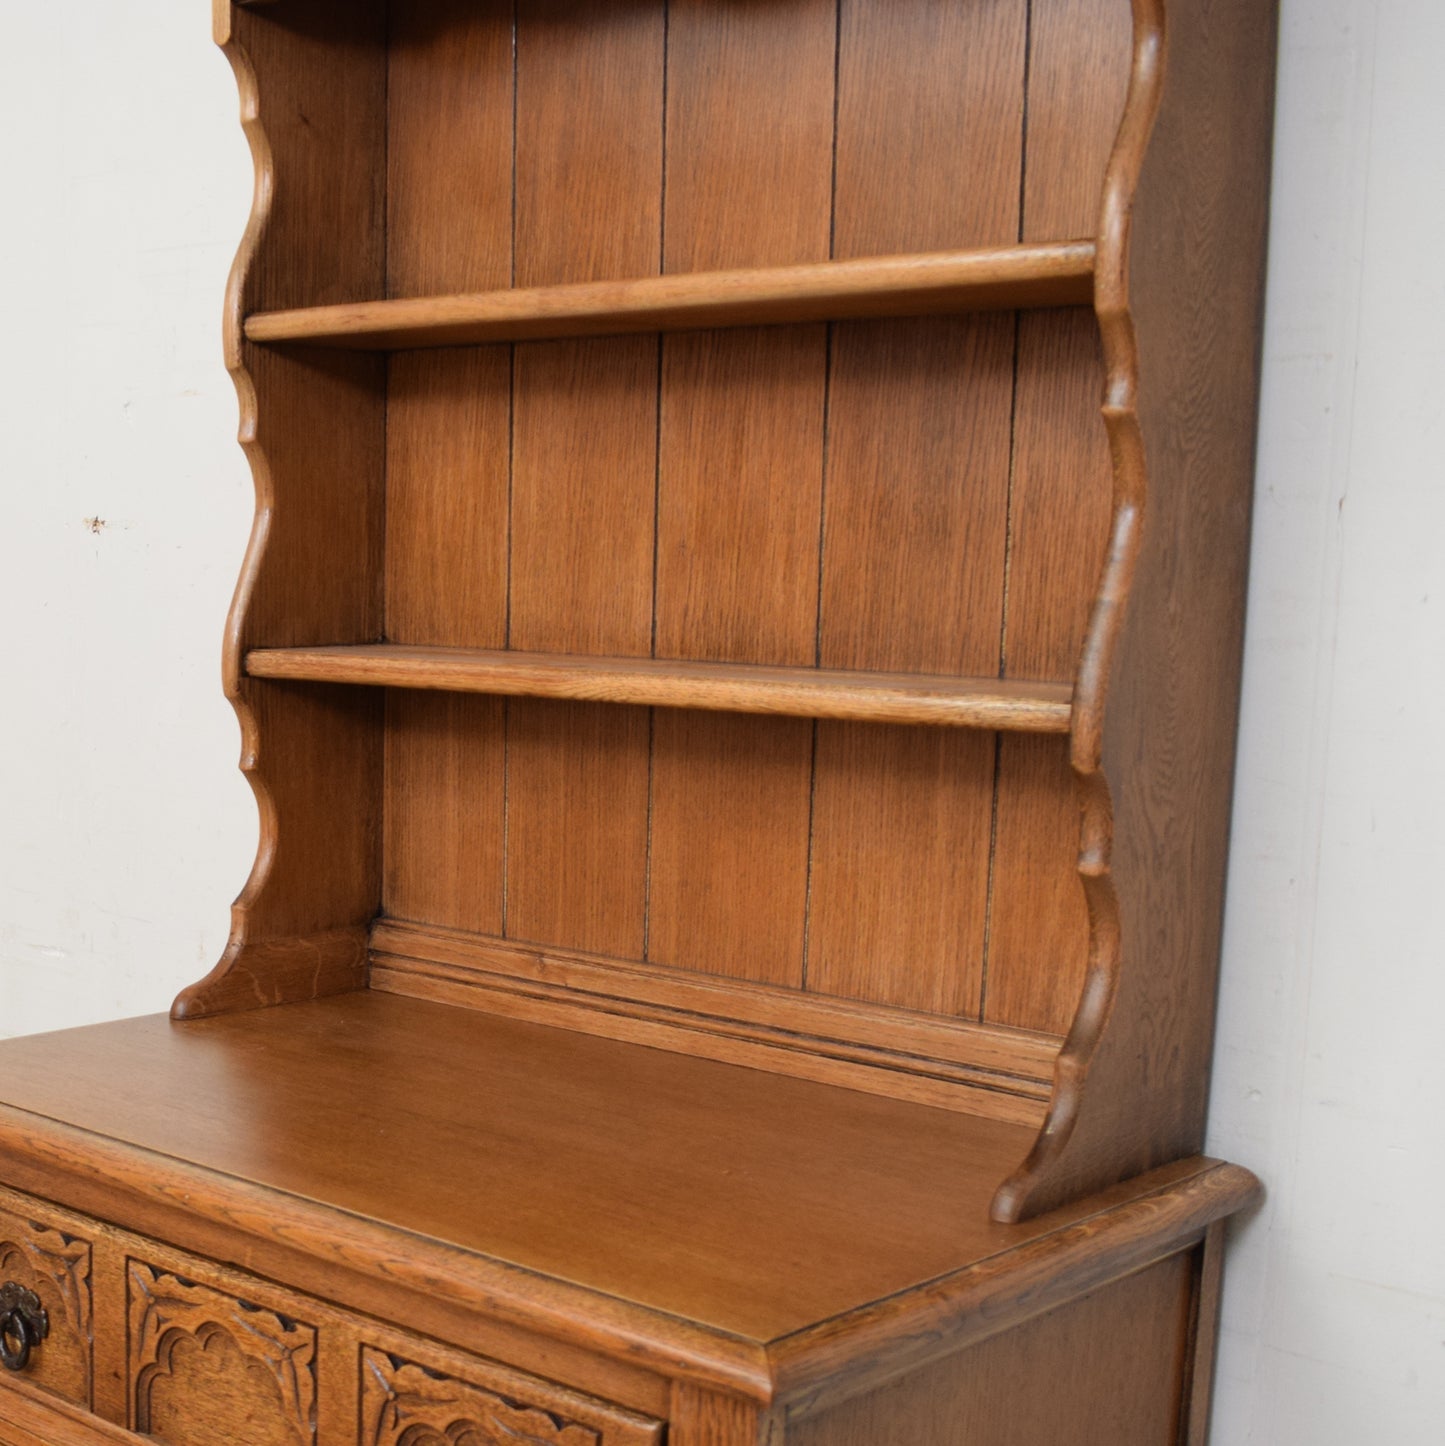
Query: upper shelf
x,y
1054,274
724,687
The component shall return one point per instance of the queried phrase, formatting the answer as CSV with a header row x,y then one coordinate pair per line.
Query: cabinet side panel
x,y
313,102
916,498
1154,735
749,174
589,199
1059,516
1106,1370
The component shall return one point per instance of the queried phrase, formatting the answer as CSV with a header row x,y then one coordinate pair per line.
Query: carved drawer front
x,y
207,1369
407,1404
41,1264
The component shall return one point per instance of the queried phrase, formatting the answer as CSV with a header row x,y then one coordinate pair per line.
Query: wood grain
x,y
583,489
930,125
445,820
1060,503
1079,64
984,1047
741,468
733,1198
749,134
449,423
1059,507
947,1063
708,1418
899,821
1153,741
1043,274
202,1363
447,480
799,692
313,436
367,1265
749,166
28,1417
449,94
589,182
589,141
1204,1337
729,876
402,1403
835,1361
916,503
55,1266
577,825
1102,1371
719,1143
393,1359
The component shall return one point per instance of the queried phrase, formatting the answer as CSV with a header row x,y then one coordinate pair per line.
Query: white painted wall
x,y
1330,1075
125,829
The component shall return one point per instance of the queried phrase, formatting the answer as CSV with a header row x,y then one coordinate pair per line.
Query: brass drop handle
x,y
23,1325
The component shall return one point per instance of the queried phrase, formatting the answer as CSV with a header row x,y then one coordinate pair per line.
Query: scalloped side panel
x,y
311,78
1179,299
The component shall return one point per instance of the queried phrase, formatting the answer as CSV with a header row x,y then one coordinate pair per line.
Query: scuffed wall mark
x,y
96,524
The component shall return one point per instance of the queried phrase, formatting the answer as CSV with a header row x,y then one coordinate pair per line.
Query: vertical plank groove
x,y
917,462
588,180
748,180
1059,508
449,89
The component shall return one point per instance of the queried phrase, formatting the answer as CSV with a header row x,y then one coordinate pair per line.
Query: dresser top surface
x,y
744,1201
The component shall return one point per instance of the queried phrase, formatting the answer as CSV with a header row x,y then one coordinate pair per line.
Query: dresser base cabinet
x,y
738,664
623,1240
209,1356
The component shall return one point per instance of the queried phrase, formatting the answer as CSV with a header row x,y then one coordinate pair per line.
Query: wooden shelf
x,y
724,687
1053,274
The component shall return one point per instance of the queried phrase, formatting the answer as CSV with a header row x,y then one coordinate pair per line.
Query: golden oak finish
x,y
1157,698
30,1419
741,741
1106,1370
55,1266
205,1368
1059,273
737,687
773,1186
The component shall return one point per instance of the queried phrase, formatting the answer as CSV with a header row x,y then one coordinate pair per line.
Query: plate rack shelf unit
x,y
742,738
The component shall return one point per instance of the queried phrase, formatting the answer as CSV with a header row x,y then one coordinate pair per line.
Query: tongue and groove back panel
x,y
924,495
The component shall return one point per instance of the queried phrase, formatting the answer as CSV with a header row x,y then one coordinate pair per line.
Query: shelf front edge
x,y
990,703
1048,274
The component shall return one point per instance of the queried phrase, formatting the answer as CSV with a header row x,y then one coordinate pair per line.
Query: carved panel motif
x,y
209,1370
56,1267
404,1405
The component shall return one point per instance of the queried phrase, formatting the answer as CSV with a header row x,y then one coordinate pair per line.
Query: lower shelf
x,y
1001,703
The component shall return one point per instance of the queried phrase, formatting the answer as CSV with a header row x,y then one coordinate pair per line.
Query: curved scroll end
x,y
1048,1177
205,997
257,974
1035,1187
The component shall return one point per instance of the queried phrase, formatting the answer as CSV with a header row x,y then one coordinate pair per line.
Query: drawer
x,y
417,1393
215,1358
210,1364
172,1348
47,1258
